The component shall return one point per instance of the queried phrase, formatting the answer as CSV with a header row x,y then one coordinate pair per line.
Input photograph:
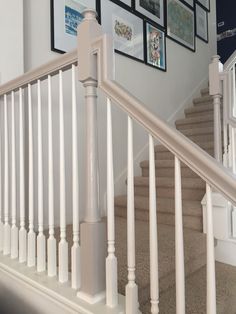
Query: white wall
x,y
163,93
11,39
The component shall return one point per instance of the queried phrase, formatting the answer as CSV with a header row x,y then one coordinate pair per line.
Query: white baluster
x,y
211,281
217,128
31,233
1,198
6,228
179,242
75,250
14,229
41,245
22,231
131,288
63,245
51,242
111,260
154,277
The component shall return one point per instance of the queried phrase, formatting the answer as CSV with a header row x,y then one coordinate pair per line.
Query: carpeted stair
x,y
197,126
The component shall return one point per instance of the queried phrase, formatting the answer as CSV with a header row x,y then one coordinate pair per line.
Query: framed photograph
x,y
152,9
181,23
66,15
125,28
205,4
190,2
201,23
155,47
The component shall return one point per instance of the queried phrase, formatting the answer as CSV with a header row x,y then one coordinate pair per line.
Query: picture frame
x,y
155,50
126,29
201,23
151,9
189,2
65,17
181,23
205,4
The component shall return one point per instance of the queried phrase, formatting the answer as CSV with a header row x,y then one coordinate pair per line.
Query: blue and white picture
x,y
72,20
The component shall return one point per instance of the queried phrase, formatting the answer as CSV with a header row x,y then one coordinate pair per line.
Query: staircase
x,y
197,126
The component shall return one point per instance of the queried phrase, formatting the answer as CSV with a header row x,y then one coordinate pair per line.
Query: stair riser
x,y
190,222
200,113
169,172
201,138
195,125
164,156
206,103
187,194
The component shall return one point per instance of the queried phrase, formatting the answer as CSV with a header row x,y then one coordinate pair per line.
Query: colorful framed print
x,y
201,23
125,28
181,23
205,4
151,9
155,47
66,15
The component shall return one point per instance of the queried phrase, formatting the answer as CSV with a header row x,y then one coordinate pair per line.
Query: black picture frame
x,y
157,43
63,23
152,13
126,22
190,3
205,4
173,23
201,23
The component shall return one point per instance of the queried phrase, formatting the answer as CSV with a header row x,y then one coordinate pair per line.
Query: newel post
x,y
215,90
93,230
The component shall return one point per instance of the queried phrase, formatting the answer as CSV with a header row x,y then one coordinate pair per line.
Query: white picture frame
x,y
125,28
152,9
65,16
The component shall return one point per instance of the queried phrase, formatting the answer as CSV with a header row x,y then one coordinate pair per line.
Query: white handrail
x,y
230,62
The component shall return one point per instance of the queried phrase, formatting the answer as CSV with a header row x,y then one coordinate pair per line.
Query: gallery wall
x,y
164,93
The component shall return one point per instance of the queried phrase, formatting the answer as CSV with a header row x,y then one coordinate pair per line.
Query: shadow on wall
x,y
11,304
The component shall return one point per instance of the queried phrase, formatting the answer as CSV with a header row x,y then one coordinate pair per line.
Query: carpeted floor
x,y
196,293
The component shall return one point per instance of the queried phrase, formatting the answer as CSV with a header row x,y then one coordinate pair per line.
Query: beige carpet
x,y
196,293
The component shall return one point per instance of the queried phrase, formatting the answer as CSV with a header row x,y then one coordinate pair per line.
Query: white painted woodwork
x,y
22,231
111,260
51,242
179,242
131,291
92,203
14,228
63,245
75,250
41,241
6,228
153,236
211,281
217,128
1,197
31,239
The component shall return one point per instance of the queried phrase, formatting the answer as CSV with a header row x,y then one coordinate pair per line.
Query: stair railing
x,y
222,86
95,280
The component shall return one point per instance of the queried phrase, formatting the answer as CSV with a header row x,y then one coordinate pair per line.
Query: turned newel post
x,y
215,90
93,230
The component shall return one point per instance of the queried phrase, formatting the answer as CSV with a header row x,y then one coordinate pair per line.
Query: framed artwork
x,y
201,23
205,4
125,28
66,15
190,2
152,9
181,23
155,47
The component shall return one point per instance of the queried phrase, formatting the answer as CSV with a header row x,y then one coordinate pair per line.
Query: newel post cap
x,y
89,14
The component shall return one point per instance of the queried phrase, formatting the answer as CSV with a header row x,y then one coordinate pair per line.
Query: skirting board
x,y
44,294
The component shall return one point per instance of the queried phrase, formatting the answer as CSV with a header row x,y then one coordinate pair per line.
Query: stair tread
x,y
164,205
194,243
199,119
200,108
205,91
198,131
202,99
187,183
205,145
